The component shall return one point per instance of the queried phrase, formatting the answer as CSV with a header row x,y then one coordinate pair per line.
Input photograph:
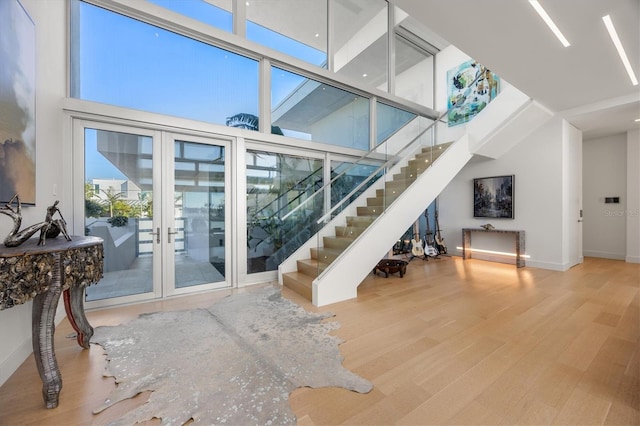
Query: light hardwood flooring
x,y
453,342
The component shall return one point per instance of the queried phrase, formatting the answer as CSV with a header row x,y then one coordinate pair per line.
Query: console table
x,y
519,236
42,273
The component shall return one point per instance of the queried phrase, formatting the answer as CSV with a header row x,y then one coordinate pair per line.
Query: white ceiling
x,y
586,82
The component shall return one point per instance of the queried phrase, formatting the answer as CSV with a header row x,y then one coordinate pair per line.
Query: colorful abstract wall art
x,y
467,95
17,103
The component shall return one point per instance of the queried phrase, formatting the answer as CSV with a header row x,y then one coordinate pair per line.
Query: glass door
x,y
196,213
120,170
159,202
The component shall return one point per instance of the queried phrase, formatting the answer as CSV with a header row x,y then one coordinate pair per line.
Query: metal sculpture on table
x,y
50,228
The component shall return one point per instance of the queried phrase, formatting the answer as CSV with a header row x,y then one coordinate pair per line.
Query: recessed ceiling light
x,y
547,20
364,75
618,44
637,120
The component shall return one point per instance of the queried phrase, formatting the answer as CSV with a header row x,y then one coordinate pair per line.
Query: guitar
x,y
416,248
431,251
442,248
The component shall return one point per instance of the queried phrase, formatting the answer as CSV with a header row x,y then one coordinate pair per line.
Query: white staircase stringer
x,y
505,122
341,280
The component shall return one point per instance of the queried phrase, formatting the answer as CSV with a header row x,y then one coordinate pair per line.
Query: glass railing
x,y
417,155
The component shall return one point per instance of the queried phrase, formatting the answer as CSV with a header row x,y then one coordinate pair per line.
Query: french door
x,y
160,202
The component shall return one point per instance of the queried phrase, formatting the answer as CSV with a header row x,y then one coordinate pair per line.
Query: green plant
x,y
118,221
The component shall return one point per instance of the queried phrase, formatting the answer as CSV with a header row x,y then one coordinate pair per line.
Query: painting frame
x,y
493,197
17,103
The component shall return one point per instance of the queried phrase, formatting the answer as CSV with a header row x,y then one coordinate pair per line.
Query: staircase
x,y
308,269
329,267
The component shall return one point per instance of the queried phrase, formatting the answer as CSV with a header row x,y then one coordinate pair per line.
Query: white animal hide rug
x,y
233,363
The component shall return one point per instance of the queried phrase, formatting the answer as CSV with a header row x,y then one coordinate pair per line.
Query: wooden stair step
x,y
360,220
369,211
299,282
310,267
325,255
337,242
349,231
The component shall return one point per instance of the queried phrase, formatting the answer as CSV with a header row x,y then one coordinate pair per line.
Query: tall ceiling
x,y
585,82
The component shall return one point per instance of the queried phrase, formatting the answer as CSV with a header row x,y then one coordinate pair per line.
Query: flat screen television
x,y
493,197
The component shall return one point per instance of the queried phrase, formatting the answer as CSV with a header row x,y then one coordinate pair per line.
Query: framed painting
x,y
467,94
493,197
17,103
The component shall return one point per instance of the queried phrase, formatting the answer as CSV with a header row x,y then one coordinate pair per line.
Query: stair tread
x,y
299,277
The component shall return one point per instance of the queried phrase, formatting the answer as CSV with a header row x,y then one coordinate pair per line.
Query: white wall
x,y
537,165
633,197
605,175
51,164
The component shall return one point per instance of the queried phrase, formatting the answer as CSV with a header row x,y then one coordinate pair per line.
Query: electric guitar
x,y
442,248
417,250
431,251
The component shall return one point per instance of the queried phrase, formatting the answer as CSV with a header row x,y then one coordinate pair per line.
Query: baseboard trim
x,y
561,267
604,254
632,259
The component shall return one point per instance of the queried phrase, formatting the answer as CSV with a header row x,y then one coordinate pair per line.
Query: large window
x,y
414,62
360,45
144,67
218,15
308,109
271,24
389,120
276,185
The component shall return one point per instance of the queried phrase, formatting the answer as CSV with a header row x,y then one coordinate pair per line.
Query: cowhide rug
x,y
233,363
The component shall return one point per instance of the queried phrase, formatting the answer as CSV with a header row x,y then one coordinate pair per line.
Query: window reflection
x,y
311,110
277,184
305,37
360,41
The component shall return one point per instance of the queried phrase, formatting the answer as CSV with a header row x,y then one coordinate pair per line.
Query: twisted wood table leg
x,y
42,330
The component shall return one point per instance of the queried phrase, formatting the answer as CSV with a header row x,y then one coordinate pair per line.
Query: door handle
x,y
170,232
157,234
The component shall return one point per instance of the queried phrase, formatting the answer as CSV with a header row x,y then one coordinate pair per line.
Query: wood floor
x,y
453,342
